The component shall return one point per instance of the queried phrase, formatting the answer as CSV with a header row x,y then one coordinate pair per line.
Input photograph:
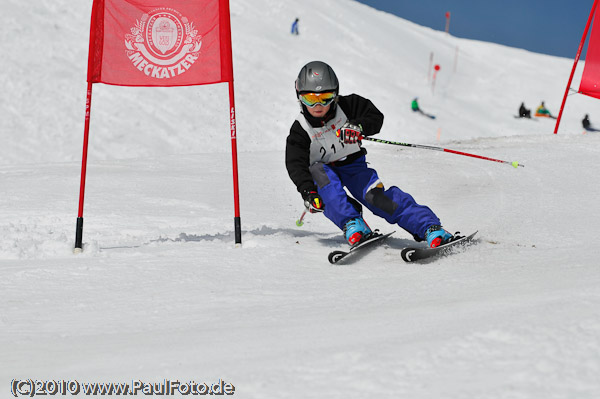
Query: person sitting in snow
x,y
543,111
587,125
415,105
524,112
324,154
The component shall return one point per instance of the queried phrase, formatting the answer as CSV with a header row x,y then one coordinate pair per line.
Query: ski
x,y
525,117
336,257
420,253
430,116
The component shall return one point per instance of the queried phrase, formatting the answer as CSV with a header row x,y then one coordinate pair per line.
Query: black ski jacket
x,y
359,110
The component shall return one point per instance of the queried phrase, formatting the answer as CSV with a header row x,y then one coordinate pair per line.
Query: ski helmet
x,y
316,77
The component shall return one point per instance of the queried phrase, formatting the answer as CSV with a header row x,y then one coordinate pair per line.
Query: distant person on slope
x,y
415,107
524,112
295,27
587,125
543,111
324,154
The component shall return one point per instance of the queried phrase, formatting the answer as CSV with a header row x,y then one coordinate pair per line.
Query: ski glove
x,y
350,133
313,201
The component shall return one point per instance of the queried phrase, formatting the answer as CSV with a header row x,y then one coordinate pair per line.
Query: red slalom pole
x,y
86,133
515,164
226,48
236,190
585,32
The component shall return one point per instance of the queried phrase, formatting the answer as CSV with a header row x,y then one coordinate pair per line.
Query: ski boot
x,y
436,236
355,230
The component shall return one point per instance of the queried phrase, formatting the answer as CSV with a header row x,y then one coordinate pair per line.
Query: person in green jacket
x,y
415,107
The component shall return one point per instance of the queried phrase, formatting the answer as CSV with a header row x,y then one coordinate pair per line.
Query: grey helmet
x,y
317,77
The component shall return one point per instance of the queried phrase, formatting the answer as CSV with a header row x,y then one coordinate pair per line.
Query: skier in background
x,y
524,112
295,27
587,125
324,154
415,107
543,111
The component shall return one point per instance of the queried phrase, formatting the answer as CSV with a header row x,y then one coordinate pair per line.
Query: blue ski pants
x,y
393,204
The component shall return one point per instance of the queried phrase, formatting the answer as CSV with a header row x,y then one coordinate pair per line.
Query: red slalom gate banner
x,y
163,43
160,43
590,80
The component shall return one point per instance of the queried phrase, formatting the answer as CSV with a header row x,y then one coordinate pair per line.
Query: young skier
x,y
324,155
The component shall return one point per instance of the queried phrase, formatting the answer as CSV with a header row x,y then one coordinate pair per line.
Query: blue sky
x,y
550,27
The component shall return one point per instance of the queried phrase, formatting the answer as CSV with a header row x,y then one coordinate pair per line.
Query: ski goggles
x,y
312,99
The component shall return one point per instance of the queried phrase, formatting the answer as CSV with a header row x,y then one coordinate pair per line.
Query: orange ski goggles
x,y
312,99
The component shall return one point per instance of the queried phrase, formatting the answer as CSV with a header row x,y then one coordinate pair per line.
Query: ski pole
x,y
299,222
515,164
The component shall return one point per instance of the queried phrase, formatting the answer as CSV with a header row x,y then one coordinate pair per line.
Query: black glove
x,y
350,133
313,201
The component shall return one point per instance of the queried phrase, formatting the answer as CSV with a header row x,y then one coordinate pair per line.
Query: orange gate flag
x,y
590,80
160,43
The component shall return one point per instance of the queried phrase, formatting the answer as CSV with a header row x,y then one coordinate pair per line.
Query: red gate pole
x,y
585,32
236,191
227,50
86,134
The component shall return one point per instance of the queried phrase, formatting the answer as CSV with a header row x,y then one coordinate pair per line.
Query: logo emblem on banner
x,y
163,44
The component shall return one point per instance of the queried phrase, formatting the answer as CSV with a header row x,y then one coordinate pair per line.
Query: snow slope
x,y
160,292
